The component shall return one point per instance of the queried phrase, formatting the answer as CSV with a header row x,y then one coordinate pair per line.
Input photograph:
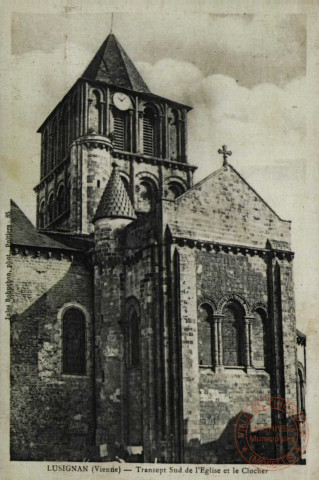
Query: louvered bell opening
x,y
148,135
119,130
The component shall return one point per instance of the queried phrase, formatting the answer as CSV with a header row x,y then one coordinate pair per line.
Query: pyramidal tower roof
x,y
112,65
115,201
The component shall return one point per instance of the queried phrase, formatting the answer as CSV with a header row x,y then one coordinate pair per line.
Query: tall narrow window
x,y
41,215
205,337
68,193
51,212
61,200
149,132
74,342
134,340
95,111
173,136
119,129
261,348
233,335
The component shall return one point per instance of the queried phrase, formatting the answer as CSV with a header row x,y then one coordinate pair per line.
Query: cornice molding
x,y
140,158
217,247
47,253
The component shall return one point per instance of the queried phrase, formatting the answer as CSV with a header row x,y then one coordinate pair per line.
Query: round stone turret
x,y
90,171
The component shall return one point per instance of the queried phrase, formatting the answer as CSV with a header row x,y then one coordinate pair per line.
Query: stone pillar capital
x,y
248,319
217,317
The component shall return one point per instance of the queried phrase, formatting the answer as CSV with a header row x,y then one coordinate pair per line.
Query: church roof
x,y
24,233
112,65
115,201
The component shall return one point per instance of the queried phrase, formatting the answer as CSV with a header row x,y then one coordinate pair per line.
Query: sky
x,y
244,76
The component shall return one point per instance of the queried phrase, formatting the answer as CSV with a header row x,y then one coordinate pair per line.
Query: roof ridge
x,y
258,195
201,181
121,51
24,233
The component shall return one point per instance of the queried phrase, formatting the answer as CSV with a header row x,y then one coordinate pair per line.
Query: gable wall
x,y
224,209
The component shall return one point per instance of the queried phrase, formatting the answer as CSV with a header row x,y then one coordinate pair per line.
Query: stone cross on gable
x,y
225,154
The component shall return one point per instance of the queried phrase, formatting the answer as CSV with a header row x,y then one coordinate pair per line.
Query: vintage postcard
x,y
159,220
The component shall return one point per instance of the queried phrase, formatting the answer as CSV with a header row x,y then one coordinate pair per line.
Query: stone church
x,y
146,311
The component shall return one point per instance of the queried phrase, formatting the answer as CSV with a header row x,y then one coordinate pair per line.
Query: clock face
x,y
122,101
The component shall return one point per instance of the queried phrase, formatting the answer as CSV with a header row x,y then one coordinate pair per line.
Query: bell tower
x,y
109,114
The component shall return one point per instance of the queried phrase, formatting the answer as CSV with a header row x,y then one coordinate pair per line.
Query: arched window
x,y
74,342
41,215
61,200
233,335
133,339
261,348
173,136
50,209
149,132
95,111
205,335
174,190
146,195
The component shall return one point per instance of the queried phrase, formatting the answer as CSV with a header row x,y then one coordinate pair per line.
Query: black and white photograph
x,y
159,216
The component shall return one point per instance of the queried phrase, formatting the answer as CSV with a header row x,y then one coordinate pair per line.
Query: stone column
x,y
218,341
107,113
166,133
179,139
184,144
131,131
101,118
140,133
248,343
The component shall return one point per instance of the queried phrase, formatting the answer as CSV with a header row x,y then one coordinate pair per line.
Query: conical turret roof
x,y
112,65
115,201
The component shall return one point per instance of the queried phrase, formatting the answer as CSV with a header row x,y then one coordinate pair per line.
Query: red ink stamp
x,y
271,433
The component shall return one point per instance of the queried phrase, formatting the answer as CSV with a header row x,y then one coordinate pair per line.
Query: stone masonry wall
x,y
220,395
224,208
224,392
51,413
220,274
90,170
139,283
125,395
